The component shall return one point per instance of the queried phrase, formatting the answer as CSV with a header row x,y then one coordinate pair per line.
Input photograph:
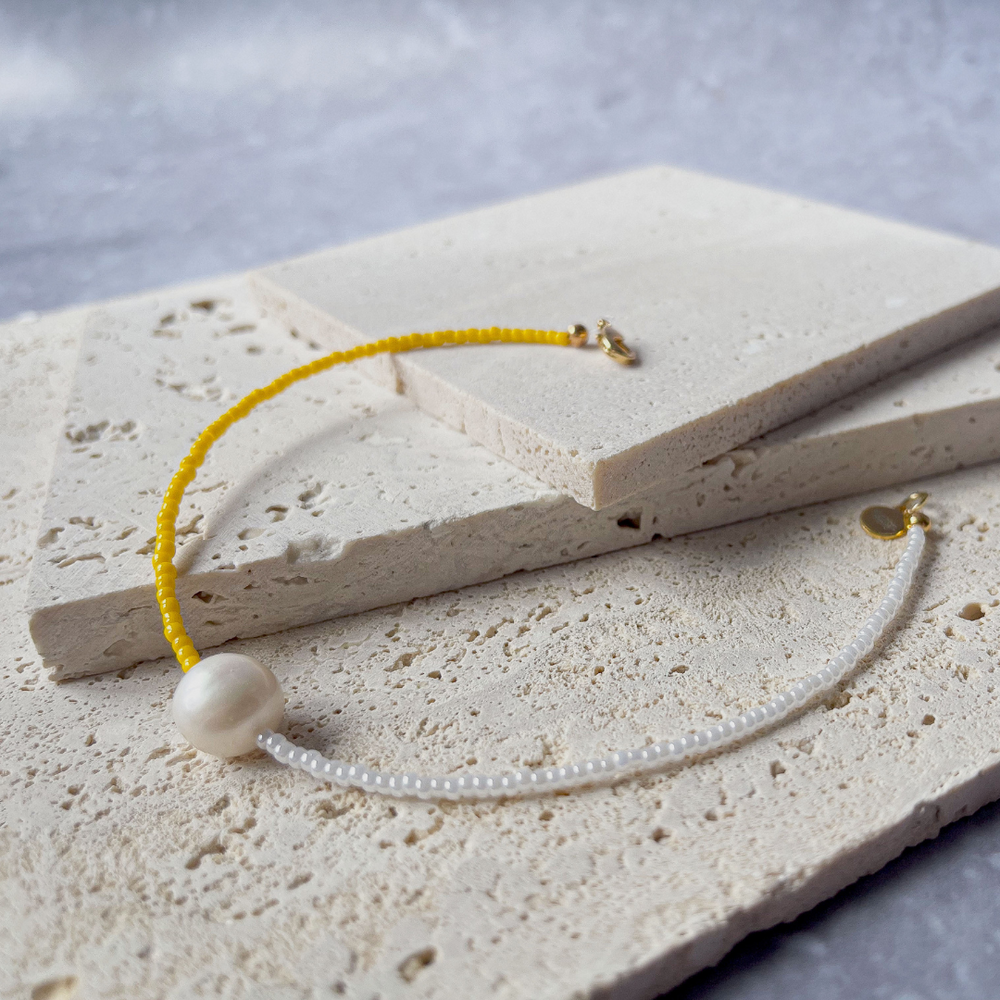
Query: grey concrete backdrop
x,y
146,143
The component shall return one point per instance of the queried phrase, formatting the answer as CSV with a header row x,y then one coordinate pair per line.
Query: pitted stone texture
x,y
132,866
340,496
748,309
37,354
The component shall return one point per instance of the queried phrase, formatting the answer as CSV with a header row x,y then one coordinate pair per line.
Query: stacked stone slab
x,y
748,308
341,496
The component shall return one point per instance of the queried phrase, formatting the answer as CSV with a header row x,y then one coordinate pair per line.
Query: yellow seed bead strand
x,y
164,571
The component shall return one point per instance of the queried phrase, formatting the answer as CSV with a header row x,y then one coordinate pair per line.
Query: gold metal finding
x,y
613,344
894,522
577,335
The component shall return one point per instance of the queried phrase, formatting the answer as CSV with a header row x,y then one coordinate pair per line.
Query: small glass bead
x,y
840,664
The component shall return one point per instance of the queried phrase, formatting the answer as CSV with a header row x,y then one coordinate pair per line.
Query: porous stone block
x,y
748,309
51,342
133,866
340,496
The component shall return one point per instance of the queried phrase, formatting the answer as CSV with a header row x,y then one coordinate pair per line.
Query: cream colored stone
x,y
24,473
748,309
340,496
131,866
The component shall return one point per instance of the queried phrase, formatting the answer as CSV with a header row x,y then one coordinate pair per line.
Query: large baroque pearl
x,y
224,701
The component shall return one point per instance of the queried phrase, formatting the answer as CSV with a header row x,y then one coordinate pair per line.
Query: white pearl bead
x,y
224,701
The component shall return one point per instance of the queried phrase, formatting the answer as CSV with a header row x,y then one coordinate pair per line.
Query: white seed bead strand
x,y
539,780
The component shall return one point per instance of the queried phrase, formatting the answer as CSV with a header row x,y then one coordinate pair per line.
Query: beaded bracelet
x,y
229,704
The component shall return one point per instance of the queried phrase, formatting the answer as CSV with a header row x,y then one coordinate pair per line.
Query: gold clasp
x,y
894,522
613,344
608,339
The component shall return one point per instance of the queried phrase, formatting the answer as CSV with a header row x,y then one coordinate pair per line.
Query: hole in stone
x,y
205,305
546,815
63,988
972,612
777,768
928,720
203,596
633,521
214,847
411,967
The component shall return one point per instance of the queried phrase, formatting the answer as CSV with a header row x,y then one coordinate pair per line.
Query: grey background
x,y
147,143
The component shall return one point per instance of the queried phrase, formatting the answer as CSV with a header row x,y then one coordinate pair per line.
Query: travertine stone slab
x,y
51,342
131,866
340,496
748,309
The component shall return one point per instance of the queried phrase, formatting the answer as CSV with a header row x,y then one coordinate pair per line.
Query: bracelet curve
x,y
229,703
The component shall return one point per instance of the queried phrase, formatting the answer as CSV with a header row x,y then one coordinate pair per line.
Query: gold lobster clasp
x,y
613,344
608,339
894,522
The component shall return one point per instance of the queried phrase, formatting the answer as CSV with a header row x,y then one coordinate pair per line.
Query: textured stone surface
x,y
340,496
748,308
36,358
134,867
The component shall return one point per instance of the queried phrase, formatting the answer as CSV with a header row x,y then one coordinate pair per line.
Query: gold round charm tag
x,y
883,522
894,522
